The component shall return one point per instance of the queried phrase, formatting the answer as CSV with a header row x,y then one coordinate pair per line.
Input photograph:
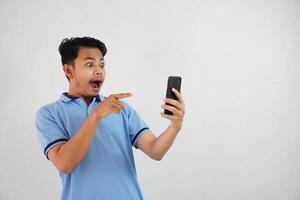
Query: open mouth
x,y
96,84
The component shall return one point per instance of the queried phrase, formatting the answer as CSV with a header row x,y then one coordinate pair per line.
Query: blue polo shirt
x,y
107,171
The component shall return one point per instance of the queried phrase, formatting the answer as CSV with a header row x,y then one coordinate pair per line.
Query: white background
x,y
239,61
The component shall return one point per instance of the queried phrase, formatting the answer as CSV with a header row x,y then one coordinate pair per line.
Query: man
x,y
89,137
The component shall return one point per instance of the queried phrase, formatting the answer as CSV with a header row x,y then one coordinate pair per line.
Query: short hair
x,y
69,48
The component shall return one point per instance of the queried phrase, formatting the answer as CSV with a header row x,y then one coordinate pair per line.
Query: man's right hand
x,y
111,104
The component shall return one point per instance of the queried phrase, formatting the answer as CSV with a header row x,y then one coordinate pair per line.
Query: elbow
x,y
65,168
63,162
157,157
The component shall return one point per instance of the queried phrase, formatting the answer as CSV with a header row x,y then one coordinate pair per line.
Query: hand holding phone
x,y
173,82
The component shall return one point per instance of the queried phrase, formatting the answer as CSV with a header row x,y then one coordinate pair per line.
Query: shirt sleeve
x,y
48,130
137,126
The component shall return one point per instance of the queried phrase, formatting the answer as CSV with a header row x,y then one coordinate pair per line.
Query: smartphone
x,y
173,82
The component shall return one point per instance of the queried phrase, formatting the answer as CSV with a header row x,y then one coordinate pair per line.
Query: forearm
x,y
71,153
162,144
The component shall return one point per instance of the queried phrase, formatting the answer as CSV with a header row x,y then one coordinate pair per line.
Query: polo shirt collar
x,y
65,97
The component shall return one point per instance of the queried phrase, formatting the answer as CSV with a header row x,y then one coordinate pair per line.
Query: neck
x,y
87,99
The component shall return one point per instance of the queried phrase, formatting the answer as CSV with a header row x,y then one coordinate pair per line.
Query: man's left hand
x,y
177,107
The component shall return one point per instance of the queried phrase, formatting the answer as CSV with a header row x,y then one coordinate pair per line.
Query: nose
x,y
98,71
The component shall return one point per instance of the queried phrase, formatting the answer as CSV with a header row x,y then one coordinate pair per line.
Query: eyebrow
x,y
90,58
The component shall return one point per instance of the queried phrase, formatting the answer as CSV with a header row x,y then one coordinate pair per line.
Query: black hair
x,y
69,48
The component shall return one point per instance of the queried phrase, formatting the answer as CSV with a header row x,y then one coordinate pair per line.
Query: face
x,y
88,73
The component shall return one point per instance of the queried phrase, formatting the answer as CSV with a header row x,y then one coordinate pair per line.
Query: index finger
x,y
123,95
179,96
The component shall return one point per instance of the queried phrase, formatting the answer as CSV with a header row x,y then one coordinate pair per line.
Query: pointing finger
x,y
123,95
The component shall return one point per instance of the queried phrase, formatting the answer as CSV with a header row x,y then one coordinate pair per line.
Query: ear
x,y
69,70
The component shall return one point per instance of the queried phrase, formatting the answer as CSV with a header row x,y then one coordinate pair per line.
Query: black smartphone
x,y
173,82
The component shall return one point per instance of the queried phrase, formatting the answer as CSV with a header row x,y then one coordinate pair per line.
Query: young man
x,y
89,137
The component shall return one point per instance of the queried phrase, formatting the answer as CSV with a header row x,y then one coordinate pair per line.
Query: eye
x,y
89,64
102,65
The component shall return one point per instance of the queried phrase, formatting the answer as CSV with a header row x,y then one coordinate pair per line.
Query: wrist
x,y
96,115
175,128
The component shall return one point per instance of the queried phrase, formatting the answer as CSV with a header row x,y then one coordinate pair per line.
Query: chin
x,y
94,93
